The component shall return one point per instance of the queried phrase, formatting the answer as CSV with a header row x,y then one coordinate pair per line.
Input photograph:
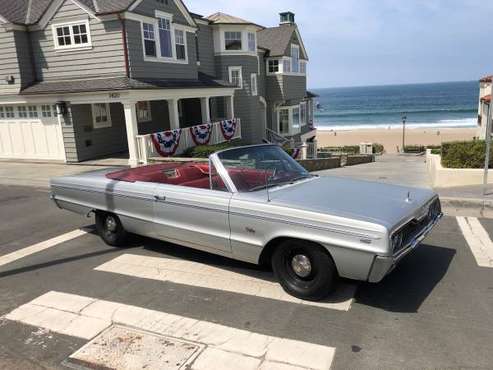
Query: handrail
x,y
274,137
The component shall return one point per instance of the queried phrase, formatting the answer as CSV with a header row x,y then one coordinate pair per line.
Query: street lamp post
x,y
488,145
404,118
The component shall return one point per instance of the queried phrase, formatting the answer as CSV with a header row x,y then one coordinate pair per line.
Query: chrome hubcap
x,y
301,265
110,224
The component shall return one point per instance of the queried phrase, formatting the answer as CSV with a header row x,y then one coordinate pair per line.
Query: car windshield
x,y
258,167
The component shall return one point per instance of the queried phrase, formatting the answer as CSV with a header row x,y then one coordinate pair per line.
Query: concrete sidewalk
x,y
467,200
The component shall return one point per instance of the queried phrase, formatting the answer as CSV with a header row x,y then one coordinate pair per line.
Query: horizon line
x,y
392,84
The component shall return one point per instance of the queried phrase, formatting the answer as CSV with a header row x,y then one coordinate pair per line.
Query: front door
x,y
195,217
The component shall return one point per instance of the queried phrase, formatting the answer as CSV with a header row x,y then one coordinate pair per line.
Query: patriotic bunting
x,y
201,135
296,153
166,142
228,128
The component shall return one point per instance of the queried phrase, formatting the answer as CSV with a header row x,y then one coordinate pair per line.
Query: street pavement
x,y
61,286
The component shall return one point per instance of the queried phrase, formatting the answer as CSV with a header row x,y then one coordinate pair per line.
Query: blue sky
x,y
379,42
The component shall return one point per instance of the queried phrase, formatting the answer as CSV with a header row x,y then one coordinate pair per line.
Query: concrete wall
x,y
106,57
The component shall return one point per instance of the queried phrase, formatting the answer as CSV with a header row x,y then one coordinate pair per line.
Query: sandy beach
x,y
392,138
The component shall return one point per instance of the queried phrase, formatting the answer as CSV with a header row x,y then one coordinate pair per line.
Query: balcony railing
x,y
147,150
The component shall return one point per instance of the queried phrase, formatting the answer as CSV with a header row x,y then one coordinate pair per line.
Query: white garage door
x,y
30,132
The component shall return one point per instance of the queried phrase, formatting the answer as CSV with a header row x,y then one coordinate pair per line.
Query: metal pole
x,y
404,117
488,145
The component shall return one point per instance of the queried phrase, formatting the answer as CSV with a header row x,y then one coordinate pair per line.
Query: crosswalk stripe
x,y
478,240
21,253
206,276
86,317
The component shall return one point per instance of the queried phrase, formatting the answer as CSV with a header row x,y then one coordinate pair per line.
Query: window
x,y
22,112
284,121
2,113
273,66
33,111
101,115
232,41
235,77
71,35
149,40
303,112
9,112
144,111
296,118
286,67
295,58
46,111
253,83
303,67
252,44
165,37
181,53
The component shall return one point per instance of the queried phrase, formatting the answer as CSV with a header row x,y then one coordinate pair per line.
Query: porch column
x,y
174,116
130,111
230,107
205,108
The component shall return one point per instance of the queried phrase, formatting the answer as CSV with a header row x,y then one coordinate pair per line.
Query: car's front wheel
x,y
304,270
110,228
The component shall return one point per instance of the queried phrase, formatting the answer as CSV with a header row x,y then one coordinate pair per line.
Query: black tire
x,y
110,229
312,281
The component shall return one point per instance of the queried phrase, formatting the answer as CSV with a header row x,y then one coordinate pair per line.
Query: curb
x,y
473,207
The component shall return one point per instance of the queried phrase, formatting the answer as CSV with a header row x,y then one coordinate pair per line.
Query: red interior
x,y
192,174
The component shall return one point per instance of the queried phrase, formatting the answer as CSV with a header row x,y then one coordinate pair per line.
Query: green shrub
x,y
349,149
204,151
465,154
414,149
378,148
436,151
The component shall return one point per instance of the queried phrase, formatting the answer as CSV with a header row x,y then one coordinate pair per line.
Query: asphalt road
x,y
434,311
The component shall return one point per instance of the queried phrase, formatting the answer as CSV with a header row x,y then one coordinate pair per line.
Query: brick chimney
x,y
287,18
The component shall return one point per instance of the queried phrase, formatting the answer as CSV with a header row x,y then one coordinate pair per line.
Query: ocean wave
x,y
451,123
390,112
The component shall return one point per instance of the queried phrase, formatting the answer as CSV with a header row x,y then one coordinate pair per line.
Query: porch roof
x,y
121,83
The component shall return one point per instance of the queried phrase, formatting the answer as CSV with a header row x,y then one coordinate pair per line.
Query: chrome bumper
x,y
383,265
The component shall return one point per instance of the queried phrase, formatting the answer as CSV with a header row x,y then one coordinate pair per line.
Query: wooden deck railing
x,y
146,149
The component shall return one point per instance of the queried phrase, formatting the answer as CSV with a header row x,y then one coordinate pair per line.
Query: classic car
x,y
257,204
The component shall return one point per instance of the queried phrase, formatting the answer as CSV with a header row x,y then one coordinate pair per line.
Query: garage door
x,y
30,132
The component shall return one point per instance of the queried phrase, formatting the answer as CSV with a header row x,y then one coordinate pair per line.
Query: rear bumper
x,y
383,265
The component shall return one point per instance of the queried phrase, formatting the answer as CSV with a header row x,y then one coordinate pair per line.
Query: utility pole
x,y
488,145
404,118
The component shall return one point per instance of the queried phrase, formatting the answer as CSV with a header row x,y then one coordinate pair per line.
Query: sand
x,y
392,138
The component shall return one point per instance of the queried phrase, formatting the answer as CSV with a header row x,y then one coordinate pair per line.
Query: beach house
x,y
85,79
484,104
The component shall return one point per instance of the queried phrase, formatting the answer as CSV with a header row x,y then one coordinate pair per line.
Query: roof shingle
x,y
276,39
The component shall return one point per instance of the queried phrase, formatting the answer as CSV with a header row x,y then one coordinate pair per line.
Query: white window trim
x,y
281,67
254,40
304,123
230,74
244,41
98,125
253,84
297,47
173,26
73,46
292,130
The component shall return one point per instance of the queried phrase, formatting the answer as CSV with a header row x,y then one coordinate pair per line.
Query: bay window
x,y
252,44
181,53
303,67
290,119
232,41
284,121
149,39
286,66
164,25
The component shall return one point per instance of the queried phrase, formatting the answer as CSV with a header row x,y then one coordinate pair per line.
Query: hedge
x,y
351,149
204,151
465,154
414,149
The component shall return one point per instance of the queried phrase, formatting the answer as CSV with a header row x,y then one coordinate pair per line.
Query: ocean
x,y
433,105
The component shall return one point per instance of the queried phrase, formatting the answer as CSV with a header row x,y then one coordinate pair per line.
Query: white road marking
x,y
21,253
225,347
478,240
206,276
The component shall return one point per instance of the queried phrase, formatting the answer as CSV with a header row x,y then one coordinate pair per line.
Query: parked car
x,y
257,204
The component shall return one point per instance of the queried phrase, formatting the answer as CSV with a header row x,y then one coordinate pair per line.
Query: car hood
x,y
384,204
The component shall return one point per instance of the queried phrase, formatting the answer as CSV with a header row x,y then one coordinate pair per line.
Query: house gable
x,y
175,7
296,39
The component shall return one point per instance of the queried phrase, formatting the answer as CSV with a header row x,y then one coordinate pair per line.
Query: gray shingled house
x,y
82,79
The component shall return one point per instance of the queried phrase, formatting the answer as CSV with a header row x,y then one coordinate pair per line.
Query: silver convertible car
x,y
257,204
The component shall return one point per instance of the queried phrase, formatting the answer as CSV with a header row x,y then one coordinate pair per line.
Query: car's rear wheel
x,y
110,229
304,270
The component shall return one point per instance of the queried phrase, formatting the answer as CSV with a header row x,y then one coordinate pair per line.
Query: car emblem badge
x,y
250,230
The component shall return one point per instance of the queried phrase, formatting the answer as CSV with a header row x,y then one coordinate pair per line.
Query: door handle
x,y
160,197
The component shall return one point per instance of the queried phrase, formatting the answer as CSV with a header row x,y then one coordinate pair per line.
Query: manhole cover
x,y
124,348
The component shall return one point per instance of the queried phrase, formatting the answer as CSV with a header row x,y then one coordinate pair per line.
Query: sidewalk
x,y
467,200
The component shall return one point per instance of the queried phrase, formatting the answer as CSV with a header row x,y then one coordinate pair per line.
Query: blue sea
x,y
433,105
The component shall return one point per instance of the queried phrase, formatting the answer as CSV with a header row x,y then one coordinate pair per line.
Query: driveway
x,y
61,287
